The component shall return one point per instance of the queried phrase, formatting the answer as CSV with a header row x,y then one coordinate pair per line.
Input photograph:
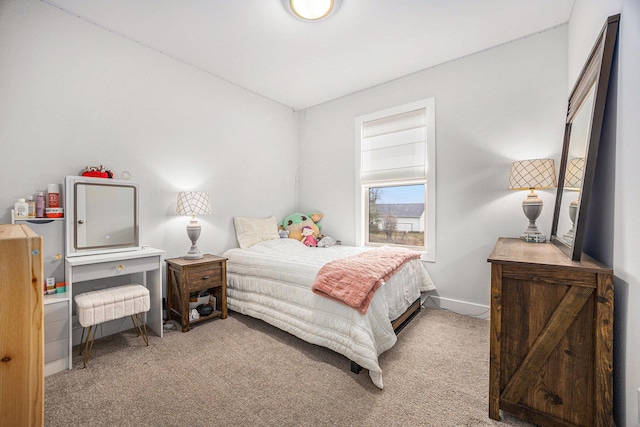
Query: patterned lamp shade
x,y
193,203
532,174
573,176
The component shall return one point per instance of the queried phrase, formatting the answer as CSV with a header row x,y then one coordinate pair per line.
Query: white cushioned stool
x,y
100,306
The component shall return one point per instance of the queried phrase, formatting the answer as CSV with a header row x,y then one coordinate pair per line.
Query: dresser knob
x,y
205,277
121,267
6,359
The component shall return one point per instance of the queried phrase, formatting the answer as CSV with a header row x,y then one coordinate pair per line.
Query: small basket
x,y
202,298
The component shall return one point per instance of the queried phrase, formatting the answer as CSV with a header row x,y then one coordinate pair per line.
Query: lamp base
x,y
573,209
199,256
532,207
533,237
193,253
193,231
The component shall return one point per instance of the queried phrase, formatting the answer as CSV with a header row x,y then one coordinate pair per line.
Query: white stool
x,y
100,306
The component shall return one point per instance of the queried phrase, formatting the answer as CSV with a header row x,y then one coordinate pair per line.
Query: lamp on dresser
x,y
534,174
193,203
573,182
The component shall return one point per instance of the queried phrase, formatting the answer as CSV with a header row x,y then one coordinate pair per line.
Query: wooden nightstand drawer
x,y
199,278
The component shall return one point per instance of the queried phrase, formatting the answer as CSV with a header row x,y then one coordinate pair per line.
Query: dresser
x,y
21,320
551,342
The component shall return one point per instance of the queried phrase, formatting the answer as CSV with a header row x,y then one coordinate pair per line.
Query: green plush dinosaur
x,y
294,223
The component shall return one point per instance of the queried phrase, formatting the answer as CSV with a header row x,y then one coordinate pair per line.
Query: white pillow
x,y
250,231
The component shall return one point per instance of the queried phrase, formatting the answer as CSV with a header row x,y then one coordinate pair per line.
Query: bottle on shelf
x,y
53,209
40,204
31,207
53,193
21,209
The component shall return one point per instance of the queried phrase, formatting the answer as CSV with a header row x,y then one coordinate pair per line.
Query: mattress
x,y
272,281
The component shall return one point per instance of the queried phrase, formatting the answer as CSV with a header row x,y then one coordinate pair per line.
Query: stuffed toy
x,y
326,241
308,238
282,232
295,222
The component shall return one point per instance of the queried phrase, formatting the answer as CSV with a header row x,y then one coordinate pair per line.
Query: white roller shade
x,y
394,148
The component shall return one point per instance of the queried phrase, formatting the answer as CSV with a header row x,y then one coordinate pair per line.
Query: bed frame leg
x,y
397,325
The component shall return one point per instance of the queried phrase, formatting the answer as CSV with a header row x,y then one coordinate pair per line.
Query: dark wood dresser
x,y
551,355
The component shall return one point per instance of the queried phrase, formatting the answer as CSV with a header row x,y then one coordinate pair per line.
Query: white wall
x,y
494,107
617,234
73,94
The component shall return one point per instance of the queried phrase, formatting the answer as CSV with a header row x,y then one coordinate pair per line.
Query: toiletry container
x,y
53,192
31,207
40,204
21,209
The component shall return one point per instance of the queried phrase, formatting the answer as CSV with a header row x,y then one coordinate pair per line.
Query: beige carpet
x,y
242,372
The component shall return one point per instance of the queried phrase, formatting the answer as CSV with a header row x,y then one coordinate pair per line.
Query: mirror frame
x,y
72,211
594,75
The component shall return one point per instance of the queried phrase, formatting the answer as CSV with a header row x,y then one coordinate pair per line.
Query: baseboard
x,y
456,306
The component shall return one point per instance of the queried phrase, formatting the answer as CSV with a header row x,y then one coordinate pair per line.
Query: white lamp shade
x,y
193,203
532,174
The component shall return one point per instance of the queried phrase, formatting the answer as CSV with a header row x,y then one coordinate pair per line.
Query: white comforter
x,y
272,281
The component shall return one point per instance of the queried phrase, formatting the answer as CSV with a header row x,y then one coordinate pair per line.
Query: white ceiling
x,y
257,45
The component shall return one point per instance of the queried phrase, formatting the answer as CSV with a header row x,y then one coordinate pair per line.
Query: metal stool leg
x,y
141,330
88,344
81,340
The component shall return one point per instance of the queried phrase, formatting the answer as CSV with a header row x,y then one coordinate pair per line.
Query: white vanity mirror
x,y
101,215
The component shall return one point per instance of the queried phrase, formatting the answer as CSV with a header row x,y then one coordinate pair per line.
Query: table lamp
x,y
193,203
535,174
573,182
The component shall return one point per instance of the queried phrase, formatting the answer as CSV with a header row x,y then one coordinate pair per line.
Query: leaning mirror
x,y
583,128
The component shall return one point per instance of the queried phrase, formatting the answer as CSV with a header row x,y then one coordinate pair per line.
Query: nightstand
x,y
185,276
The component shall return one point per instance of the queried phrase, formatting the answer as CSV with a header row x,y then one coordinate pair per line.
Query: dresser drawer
x,y
56,331
114,268
205,277
55,350
56,311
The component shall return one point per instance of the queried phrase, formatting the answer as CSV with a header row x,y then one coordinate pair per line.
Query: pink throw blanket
x,y
353,280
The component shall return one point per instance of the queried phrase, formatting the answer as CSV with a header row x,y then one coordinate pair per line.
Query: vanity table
x,y
81,270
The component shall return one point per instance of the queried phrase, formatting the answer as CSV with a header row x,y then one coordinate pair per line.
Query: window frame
x,y
362,190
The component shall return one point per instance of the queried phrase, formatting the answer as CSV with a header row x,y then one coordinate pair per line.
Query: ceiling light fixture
x,y
310,10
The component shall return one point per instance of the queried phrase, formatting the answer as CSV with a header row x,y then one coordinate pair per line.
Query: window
x,y
395,168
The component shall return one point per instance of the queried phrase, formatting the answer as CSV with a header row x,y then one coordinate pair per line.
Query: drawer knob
x,y
121,267
6,359
205,277
58,256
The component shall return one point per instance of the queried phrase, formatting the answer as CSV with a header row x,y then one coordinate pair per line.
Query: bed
x,y
271,279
